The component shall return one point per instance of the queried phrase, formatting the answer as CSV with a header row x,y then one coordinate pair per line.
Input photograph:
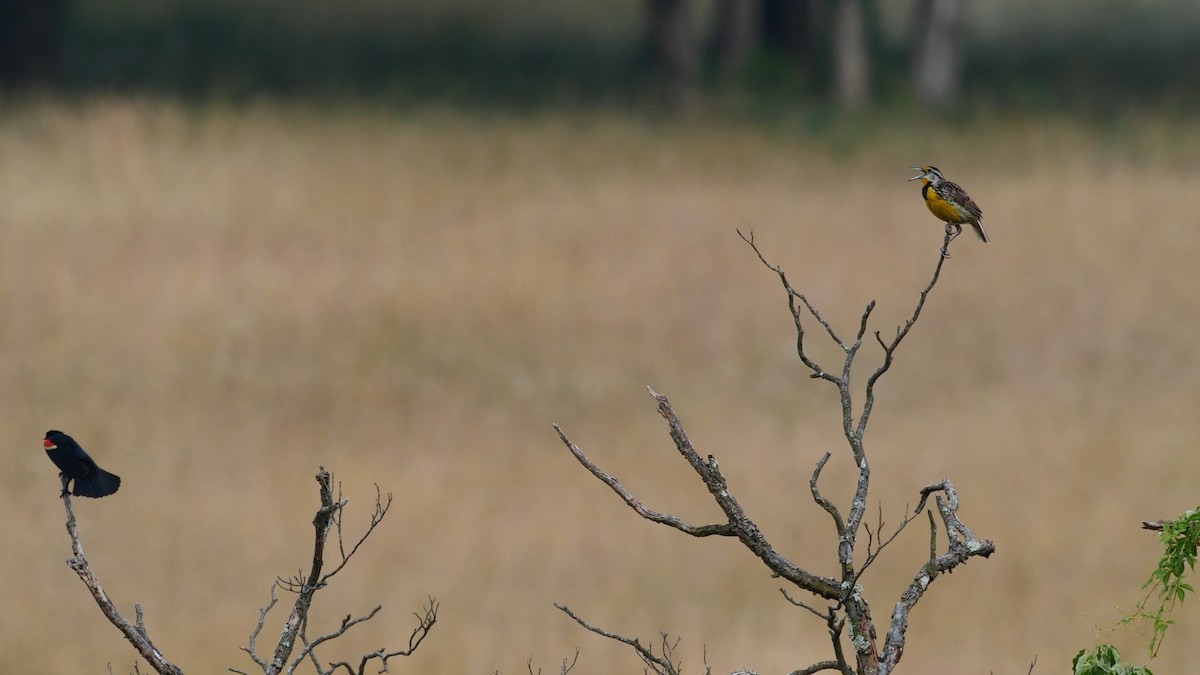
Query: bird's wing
x,y
88,465
964,200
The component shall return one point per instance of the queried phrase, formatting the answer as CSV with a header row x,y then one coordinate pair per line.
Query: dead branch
x,y
821,501
382,504
845,592
961,546
136,633
304,592
738,523
425,621
328,516
661,665
818,667
567,666
634,503
875,544
835,624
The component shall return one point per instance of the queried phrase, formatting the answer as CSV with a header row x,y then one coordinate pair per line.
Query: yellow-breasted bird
x,y
949,202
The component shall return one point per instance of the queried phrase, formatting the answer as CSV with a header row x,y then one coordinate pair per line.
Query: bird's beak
x,y
920,175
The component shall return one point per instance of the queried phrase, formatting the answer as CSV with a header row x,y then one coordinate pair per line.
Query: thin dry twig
x,y
835,624
425,621
875,545
567,666
738,524
818,667
961,546
661,665
382,504
721,529
305,587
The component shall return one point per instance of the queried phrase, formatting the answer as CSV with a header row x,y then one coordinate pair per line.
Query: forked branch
x,y
961,546
328,516
738,524
425,620
844,593
663,664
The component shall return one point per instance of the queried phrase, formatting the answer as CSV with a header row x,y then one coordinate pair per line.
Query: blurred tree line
x,y
740,28
851,52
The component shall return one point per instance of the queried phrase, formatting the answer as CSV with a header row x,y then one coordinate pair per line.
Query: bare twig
x,y
961,546
295,628
567,666
874,548
818,667
348,622
802,605
321,524
889,348
822,501
793,295
382,505
835,626
661,665
425,621
611,481
252,647
738,524
136,632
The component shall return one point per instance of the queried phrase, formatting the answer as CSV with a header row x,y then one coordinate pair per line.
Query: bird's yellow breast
x,y
944,210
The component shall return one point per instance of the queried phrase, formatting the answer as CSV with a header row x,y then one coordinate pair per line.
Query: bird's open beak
x,y
920,175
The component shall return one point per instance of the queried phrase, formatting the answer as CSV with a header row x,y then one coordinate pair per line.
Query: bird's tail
x,y
99,484
979,231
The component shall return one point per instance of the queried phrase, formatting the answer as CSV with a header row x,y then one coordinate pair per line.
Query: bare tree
x,y
937,63
328,517
845,607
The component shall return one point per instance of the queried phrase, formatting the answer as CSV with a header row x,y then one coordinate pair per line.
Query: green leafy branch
x,y
1179,538
1104,660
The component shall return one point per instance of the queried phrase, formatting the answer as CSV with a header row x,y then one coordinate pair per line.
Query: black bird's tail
x,y
99,484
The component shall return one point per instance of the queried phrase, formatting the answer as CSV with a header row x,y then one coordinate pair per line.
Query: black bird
x,y
74,463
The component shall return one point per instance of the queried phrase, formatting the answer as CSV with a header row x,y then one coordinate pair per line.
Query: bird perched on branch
x,y
75,464
949,202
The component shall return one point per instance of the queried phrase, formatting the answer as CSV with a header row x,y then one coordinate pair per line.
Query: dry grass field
x,y
217,301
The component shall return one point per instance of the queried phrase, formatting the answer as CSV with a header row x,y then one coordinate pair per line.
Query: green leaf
x,y
1104,660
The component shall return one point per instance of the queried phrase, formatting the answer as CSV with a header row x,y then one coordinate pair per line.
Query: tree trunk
x,y
938,53
735,33
851,64
674,50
